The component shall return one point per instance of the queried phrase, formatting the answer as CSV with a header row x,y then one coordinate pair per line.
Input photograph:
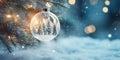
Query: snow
x,y
71,48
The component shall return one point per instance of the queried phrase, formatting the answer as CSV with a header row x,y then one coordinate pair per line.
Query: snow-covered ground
x,y
70,48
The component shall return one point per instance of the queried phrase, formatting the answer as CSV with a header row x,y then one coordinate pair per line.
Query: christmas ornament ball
x,y
45,26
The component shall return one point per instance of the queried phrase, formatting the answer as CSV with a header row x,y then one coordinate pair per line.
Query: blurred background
x,y
95,18
89,30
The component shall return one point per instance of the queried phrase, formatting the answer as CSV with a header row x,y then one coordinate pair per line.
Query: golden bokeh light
x,y
9,16
90,29
107,2
71,2
9,37
29,6
17,15
105,9
48,4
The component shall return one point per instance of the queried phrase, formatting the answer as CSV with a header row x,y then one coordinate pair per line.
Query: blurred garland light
x,y
48,4
71,2
17,15
8,16
29,5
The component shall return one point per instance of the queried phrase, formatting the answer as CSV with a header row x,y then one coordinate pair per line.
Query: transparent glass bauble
x,y
45,26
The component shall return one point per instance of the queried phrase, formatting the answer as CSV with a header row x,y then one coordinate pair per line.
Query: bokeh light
x,y
90,29
109,35
17,15
29,5
105,9
48,4
9,16
71,2
107,2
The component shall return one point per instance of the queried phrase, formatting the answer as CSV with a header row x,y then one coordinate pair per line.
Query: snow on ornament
x,y
45,26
